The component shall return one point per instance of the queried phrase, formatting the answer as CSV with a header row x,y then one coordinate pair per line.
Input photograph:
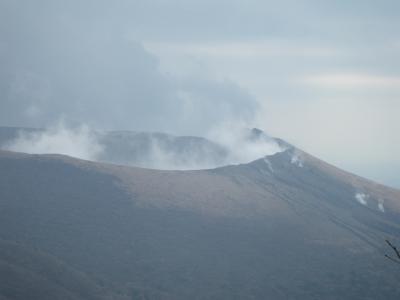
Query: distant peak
x,y
256,132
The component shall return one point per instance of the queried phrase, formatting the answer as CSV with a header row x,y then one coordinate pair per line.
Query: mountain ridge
x,y
285,226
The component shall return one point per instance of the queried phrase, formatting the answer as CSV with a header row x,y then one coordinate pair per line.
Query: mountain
x,y
153,150
27,273
142,149
159,150
286,226
8,134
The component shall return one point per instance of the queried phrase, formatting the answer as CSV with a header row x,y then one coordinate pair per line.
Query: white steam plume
x,y
227,145
361,198
380,205
77,142
162,158
242,145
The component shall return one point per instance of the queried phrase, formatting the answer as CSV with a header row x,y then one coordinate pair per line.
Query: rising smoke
x,y
226,145
78,142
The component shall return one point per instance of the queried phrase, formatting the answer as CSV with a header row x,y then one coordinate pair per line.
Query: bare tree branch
x,y
392,259
394,248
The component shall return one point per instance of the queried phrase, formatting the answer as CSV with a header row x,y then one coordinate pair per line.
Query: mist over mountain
x,y
174,150
323,76
145,149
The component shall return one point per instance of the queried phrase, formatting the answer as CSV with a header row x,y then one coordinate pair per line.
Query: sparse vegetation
x,y
77,230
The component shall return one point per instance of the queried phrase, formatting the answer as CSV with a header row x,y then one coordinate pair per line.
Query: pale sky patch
x,y
241,49
353,81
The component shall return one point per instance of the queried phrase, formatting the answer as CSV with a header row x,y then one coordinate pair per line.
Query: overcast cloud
x,y
65,61
322,74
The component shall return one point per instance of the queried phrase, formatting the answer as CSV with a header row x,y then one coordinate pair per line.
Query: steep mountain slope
x,y
287,226
29,274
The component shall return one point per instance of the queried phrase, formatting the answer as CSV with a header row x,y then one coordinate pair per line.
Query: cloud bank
x,y
57,64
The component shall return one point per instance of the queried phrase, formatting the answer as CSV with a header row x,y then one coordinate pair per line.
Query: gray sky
x,y
324,75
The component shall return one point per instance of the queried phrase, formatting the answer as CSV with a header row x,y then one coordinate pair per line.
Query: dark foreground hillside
x,y
26,273
284,227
